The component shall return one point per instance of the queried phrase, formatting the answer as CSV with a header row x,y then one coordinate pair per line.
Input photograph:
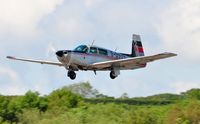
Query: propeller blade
x,y
51,50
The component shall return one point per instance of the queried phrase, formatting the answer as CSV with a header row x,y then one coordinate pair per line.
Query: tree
x,y
192,94
29,116
165,96
102,96
3,108
9,108
124,96
43,104
33,100
30,100
62,99
84,89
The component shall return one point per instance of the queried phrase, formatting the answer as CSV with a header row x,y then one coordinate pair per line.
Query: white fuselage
x,y
77,59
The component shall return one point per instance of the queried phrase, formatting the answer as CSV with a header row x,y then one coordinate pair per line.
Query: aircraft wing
x,y
35,61
131,62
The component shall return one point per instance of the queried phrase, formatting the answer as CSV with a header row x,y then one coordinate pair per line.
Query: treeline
x,y
128,101
81,104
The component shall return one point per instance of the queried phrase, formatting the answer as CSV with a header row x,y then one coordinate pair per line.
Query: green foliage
x,y
9,107
185,112
3,107
29,116
165,96
128,101
33,100
81,104
175,115
192,94
111,114
147,115
193,112
62,99
30,100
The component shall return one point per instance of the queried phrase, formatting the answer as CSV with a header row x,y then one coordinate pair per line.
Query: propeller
x,y
51,50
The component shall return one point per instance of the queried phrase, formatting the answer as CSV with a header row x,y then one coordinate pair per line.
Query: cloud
x,y
73,28
179,28
182,86
21,17
9,72
92,3
72,21
10,84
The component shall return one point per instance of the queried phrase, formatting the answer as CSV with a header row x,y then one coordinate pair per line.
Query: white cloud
x,y
72,22
11,84
92,3
179,87
21,17
73,28
9,72
13,90
179,28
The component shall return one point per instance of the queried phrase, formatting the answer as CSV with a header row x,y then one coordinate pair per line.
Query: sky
x,y
29,28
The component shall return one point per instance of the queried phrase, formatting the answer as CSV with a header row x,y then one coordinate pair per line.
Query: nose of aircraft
x,y
60,53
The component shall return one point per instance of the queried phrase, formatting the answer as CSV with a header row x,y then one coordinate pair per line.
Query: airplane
x,y
94,58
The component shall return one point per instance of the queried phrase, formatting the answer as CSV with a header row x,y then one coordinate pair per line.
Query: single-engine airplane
x,y
93,58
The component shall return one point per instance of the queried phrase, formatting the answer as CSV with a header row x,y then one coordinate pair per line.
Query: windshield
x,y
82,48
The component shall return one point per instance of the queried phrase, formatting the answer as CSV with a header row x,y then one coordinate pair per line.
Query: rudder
x,y
137,48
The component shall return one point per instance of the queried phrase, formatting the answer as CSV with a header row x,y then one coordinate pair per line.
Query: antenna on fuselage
x,y
116,49
92,42
91,45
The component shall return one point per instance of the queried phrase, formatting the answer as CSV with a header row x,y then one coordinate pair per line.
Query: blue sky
x,y
29,27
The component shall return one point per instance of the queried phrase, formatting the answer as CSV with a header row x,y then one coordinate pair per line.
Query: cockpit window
x,y
103,52
93,50
82,49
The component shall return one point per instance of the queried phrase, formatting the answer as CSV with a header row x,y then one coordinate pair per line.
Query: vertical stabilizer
x,y
137,48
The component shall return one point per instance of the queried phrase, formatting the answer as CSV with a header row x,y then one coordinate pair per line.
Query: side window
x,y
85,50
103,52
82,49
93,50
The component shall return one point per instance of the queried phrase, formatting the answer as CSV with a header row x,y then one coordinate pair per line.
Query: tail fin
x,y
137,49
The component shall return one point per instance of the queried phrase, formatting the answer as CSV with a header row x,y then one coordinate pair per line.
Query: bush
x,y
30,116
175,115
193,112
63,100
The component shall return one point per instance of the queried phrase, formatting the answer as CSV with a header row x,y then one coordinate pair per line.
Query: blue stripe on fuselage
x,y
114,55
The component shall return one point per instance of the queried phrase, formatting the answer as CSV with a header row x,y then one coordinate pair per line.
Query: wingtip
x,y
174,54
10,57
171,54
